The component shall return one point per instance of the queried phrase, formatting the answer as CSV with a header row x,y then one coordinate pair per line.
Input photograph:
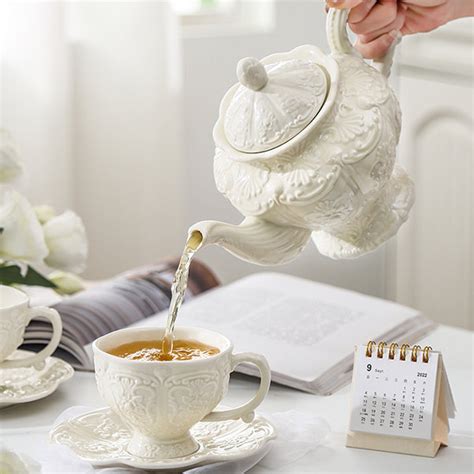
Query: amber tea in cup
x,y
152,350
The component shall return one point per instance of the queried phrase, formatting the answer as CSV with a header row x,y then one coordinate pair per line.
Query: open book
x,y
306,330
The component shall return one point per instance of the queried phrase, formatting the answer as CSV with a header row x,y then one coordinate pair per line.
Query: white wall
x,y
209,70
433,261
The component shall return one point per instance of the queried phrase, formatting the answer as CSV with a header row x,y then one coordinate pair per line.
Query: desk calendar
x,y
401,399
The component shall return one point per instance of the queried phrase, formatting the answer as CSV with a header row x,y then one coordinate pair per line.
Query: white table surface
x,y
332,456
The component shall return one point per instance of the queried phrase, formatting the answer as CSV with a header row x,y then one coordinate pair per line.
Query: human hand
x,y
379,23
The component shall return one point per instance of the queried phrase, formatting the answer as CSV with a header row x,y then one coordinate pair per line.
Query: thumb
x,y
378,47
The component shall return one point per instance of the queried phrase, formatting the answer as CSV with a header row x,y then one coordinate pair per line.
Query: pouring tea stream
x,y
178,290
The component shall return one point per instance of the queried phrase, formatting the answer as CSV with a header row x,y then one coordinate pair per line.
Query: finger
x,y
397,24
418,21
382,14
378,47
343,3
425,3
359,12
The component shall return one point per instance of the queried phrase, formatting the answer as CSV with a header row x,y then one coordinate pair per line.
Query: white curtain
x,y
35,97
127,161
90,91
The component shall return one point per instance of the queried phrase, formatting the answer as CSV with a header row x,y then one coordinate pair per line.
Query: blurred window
x,y
203,7
217,17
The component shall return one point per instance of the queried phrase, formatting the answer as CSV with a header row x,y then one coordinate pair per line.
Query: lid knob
x,y
273,102
252,74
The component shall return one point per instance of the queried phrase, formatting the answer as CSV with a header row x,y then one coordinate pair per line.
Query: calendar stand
x,y
439,406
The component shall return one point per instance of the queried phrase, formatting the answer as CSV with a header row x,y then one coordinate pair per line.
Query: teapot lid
x,y
273,102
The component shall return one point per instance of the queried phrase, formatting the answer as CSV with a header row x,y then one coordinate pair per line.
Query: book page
x,y
302,327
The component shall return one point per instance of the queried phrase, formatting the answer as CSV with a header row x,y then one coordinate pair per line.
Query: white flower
x,y
67,243
66,283
10,462
44,213
10,164
21,235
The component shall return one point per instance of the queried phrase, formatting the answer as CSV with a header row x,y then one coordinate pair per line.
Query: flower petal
x,y
67,242
21,237
10,164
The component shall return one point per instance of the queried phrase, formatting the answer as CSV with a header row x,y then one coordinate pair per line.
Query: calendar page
x,y
393,396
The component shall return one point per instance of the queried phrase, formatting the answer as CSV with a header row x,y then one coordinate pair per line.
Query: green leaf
x,y
11,274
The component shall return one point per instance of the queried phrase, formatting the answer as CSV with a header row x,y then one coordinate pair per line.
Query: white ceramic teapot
x,y
305,148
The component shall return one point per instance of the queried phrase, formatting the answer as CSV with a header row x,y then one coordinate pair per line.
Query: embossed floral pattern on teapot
x,y
305,148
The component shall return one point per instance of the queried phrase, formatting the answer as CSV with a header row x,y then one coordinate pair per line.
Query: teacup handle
x,y
336,30
53,316
246,411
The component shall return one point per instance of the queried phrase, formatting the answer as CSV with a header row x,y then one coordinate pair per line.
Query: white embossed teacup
x,y
15,315
159,401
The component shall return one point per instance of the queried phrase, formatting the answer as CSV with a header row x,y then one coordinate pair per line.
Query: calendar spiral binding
x,y
382,346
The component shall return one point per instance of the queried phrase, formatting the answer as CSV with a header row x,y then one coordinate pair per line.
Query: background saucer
x,y
27,384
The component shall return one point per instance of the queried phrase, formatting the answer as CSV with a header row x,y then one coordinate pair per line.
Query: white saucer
x,y
26,384
100,438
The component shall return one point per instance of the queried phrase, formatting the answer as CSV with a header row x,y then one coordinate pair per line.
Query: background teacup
x,y
160,401
15,315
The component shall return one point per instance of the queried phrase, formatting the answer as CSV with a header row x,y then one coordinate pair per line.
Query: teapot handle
x,y
336,30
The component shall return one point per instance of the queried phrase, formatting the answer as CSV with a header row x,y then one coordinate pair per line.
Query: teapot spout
x,y
255,240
